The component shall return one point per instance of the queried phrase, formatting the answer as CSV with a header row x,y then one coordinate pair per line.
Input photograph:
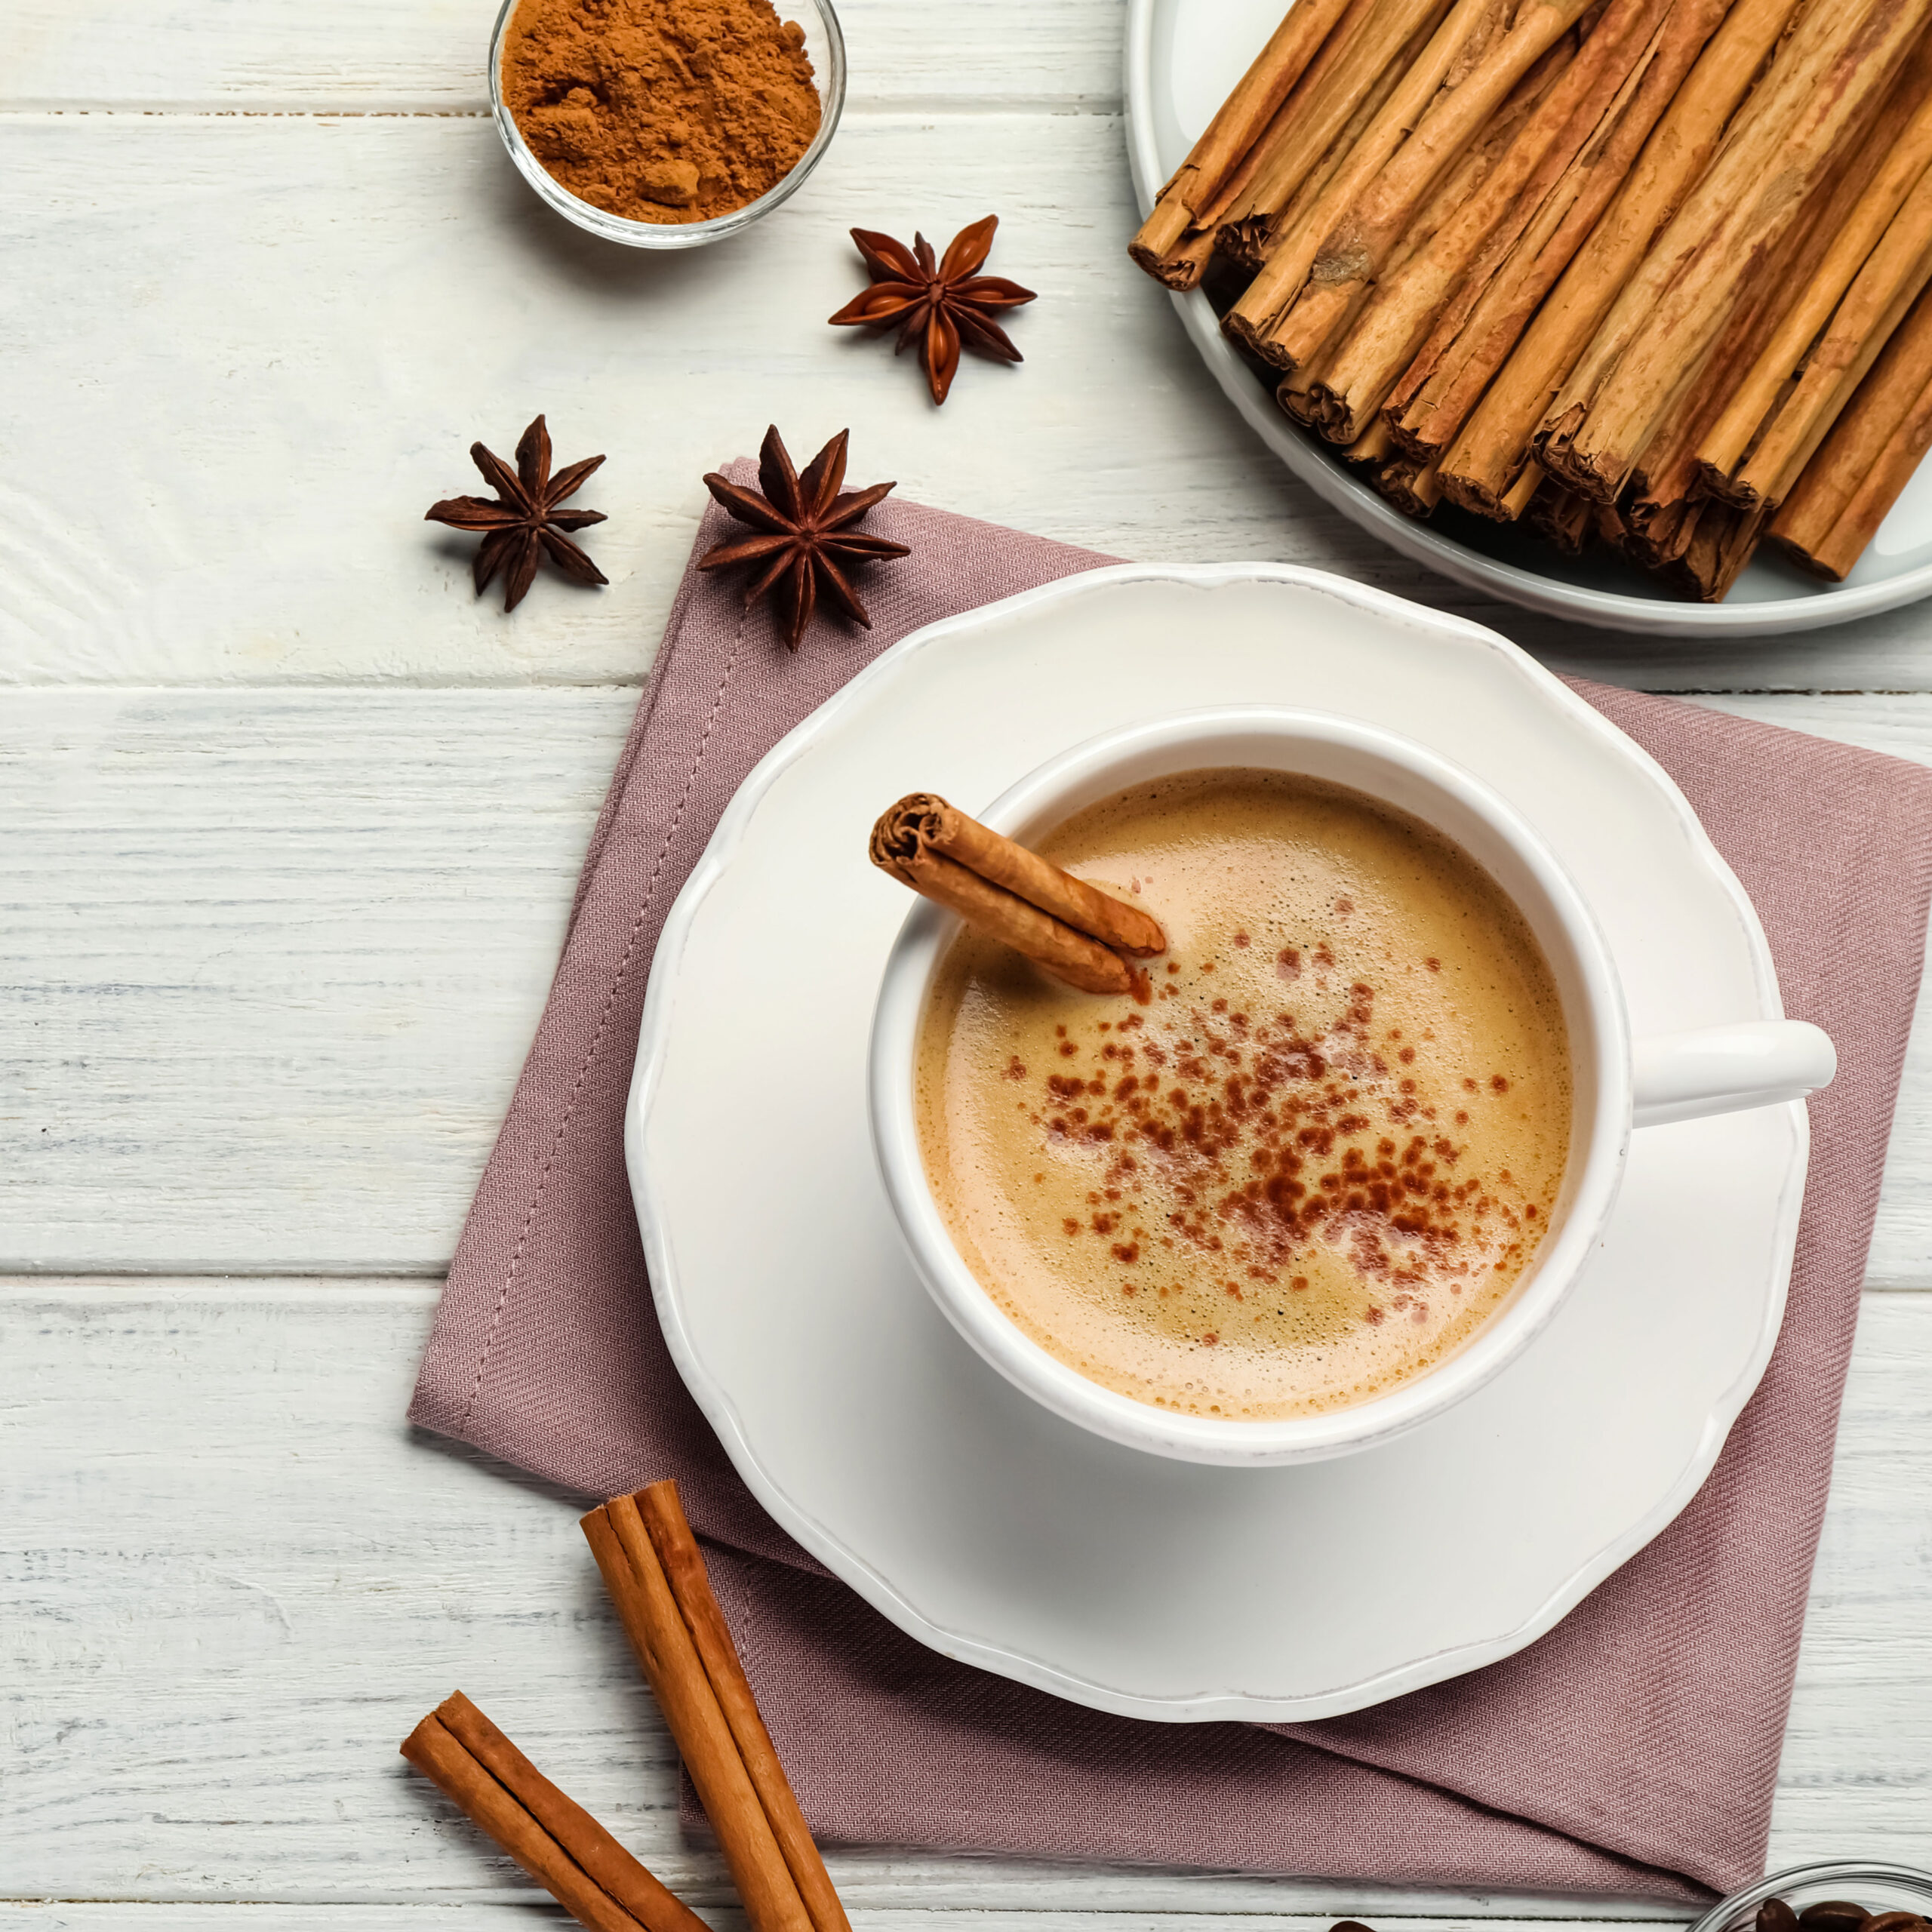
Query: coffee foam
x,y
1320,1157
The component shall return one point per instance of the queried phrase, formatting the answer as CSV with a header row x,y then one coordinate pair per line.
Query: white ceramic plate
x,y
1182,57
992,1530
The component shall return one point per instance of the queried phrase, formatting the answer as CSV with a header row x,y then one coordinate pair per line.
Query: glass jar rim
x,y
1798,1877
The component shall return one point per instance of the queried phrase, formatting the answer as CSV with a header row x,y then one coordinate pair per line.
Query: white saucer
x,y
1184,56
989,1529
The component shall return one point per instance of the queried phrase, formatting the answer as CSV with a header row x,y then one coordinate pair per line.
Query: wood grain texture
x,y
431,57
226,956
234,1579
270,961
287,331
1268,1906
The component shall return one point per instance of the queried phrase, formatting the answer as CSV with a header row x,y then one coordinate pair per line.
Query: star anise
x,y
524,521
806,532
943,305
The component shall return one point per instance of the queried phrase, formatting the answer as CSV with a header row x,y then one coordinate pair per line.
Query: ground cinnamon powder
x,y
661,110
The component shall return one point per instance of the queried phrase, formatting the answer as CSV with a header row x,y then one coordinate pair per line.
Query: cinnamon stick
x,y
1723,542
1304,391
684,1569
1488,458
1872,453
1658,505
1469,26
1068,955
1659,331
635,1581
1419,313
1074,930
1241,121
1365,209
558,1842
1476,332
1657,530
1884,289
1893,158
1363,252
1409,299
1412,486
1375,44
1516,500
1565,520
1373,446
923,822
1292,393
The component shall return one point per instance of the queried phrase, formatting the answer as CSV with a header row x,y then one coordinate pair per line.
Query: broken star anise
x,y
943,305
805,533
523,522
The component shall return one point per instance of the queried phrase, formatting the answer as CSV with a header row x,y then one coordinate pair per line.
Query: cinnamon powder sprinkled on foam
x,y
1281,1187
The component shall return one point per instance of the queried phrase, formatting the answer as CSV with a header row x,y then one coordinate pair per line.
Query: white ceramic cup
x,y
1618,1085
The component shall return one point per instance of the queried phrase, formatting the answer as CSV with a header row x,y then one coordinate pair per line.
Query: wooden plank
x,y
498,1914
271,960
233,1580
1270,1912
223,970
359,57
286,331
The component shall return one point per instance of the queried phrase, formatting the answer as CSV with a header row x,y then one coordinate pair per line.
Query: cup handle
x,y
1726,1069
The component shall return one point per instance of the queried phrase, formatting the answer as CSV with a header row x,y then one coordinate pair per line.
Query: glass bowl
x,y
1877,1887
824,44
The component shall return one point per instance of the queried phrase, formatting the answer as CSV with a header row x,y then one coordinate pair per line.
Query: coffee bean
x,y
1774,1915
1894,1921
1833,1915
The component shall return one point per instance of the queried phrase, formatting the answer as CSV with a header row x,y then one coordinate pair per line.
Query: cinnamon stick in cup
x,y
558,1842
1073,930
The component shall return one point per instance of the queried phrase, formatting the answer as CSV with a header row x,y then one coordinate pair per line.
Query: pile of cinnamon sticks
x,y
1649,272
655,1574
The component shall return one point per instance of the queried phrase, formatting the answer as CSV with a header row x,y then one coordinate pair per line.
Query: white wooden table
x,y
290,824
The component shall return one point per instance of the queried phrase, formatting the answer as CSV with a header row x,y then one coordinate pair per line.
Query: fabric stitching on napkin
x,y
610,1001
655,686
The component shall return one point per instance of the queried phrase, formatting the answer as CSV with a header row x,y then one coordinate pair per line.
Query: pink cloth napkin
x,y
1632,1750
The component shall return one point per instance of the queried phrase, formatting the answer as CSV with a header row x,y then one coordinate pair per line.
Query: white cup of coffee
x,y
1616,1086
